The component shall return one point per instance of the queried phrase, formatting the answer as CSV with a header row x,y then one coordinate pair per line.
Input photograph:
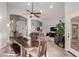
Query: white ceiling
x,y
53,14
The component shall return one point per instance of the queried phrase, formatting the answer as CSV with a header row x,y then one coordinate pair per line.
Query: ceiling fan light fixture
x,y
0,17
41,11
36,14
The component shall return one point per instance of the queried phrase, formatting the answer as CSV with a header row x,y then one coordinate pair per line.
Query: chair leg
x,y
9,50
9,47
46,51
45,54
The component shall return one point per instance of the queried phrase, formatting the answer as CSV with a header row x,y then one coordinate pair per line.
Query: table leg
x,y
23,52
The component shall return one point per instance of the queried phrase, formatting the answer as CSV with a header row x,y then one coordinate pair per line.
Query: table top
x,y
25,45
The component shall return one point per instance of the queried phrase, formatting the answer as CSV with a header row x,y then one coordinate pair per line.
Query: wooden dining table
x,y
25,47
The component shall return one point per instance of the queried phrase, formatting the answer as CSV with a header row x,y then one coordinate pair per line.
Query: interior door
x,y
74,35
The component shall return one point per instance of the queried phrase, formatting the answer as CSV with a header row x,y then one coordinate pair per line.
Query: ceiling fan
x,y
36,14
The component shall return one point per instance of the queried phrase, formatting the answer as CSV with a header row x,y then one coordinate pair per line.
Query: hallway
x,y
56,51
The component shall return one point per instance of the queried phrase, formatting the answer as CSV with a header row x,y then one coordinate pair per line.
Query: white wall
x,y
4,30
50,16
19,10
71,7
53,17
71,10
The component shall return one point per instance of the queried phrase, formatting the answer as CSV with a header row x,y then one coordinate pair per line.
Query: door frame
x,y
68,33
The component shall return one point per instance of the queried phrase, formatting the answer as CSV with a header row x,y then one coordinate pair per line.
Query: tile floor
x,y
56,51
52,51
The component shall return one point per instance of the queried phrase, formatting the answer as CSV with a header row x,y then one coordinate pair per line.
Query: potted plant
x,y
60,33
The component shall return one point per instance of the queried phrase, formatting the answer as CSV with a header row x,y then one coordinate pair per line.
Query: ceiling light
x,y
28,4
0,17
51,6
41,11
8,25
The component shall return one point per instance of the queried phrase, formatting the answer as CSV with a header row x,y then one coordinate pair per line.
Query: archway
x,y
18,23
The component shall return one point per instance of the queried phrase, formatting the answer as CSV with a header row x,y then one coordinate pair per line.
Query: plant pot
x,y
61,45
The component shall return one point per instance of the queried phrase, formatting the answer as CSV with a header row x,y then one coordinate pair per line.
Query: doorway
x,y
72,34
18,23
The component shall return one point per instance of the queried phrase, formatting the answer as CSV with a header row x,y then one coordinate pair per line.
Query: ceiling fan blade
x,y
36,15
29,11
